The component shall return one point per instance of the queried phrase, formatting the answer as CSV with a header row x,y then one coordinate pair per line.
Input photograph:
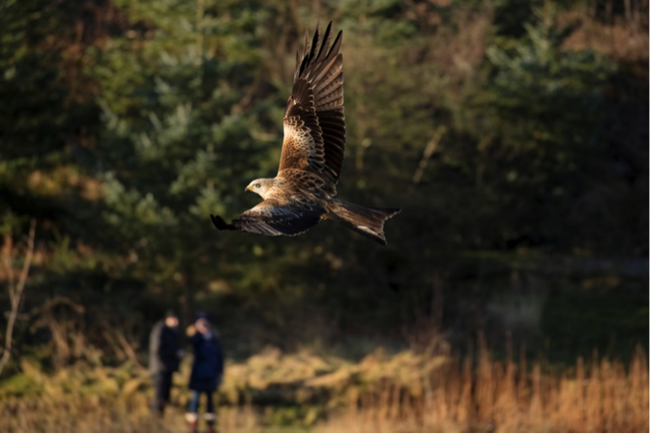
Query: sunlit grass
x,y
500,396
405,392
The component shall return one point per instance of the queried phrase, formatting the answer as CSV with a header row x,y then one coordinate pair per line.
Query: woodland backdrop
x,y
512,133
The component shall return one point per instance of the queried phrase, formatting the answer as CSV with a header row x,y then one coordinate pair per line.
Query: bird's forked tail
x,y
367,221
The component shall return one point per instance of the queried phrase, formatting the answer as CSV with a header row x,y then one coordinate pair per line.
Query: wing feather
x,y
314,121
272,217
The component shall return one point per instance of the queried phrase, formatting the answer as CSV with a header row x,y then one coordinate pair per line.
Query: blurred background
x,y
512,133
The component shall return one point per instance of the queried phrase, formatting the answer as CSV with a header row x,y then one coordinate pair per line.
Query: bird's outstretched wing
x,y
271,217
314,123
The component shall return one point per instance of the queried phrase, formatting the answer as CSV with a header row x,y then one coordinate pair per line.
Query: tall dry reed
x,y
496,396
483,395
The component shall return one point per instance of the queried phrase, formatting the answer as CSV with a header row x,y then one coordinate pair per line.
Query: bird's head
x,y
260,186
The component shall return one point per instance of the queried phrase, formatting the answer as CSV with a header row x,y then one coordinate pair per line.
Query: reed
x,y
382,393
497,396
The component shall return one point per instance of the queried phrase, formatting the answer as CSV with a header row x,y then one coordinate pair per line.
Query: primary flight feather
x,y
302,193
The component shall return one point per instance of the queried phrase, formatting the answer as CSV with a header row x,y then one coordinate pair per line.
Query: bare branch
x,y
16,291
7,248
28,258
128,349
428,152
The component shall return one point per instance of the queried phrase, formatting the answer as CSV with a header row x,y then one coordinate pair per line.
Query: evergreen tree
x,y
181,137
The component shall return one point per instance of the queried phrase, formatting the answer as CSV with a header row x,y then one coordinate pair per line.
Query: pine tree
x,y
180,137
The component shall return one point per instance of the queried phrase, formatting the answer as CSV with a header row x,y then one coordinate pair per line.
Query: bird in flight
x,y
302,193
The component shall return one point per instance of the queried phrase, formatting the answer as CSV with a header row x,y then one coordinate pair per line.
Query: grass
x,y
498,396
404,392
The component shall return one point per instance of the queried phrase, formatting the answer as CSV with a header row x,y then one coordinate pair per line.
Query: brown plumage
x,y
302,193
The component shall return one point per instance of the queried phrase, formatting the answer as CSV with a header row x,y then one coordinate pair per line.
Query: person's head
x,y
171,320
202,322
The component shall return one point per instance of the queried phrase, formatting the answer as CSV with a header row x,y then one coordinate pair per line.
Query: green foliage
x,y
539,124
124,125
178,145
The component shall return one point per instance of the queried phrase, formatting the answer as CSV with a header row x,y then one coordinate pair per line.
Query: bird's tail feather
x,y
367,221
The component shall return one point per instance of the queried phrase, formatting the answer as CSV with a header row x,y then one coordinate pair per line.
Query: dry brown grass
x,y
499,396
113,414
407,392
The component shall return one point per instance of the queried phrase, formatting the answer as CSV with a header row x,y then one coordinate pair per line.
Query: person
x,y
207,371
164,358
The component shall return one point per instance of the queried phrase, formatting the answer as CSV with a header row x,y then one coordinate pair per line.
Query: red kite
x,y
302,193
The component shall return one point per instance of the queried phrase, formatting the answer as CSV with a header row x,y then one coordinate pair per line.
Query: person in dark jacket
x,y
164,358
207,370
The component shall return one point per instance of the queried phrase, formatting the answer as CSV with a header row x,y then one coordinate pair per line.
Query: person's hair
x,y
202,315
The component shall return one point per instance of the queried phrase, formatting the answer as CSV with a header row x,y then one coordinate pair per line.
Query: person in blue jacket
x,y
207,370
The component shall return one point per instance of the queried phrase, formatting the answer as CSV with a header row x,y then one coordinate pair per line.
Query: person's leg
x,y
192,415
167,386
158,403
210,416
210,404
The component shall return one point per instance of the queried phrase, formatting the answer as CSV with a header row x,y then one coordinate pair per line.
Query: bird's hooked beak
x,y
248,188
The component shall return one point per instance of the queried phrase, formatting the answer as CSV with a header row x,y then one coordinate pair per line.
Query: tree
x,y
181,139
540,127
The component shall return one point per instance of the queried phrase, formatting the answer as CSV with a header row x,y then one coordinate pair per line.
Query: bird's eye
x,y
257,185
